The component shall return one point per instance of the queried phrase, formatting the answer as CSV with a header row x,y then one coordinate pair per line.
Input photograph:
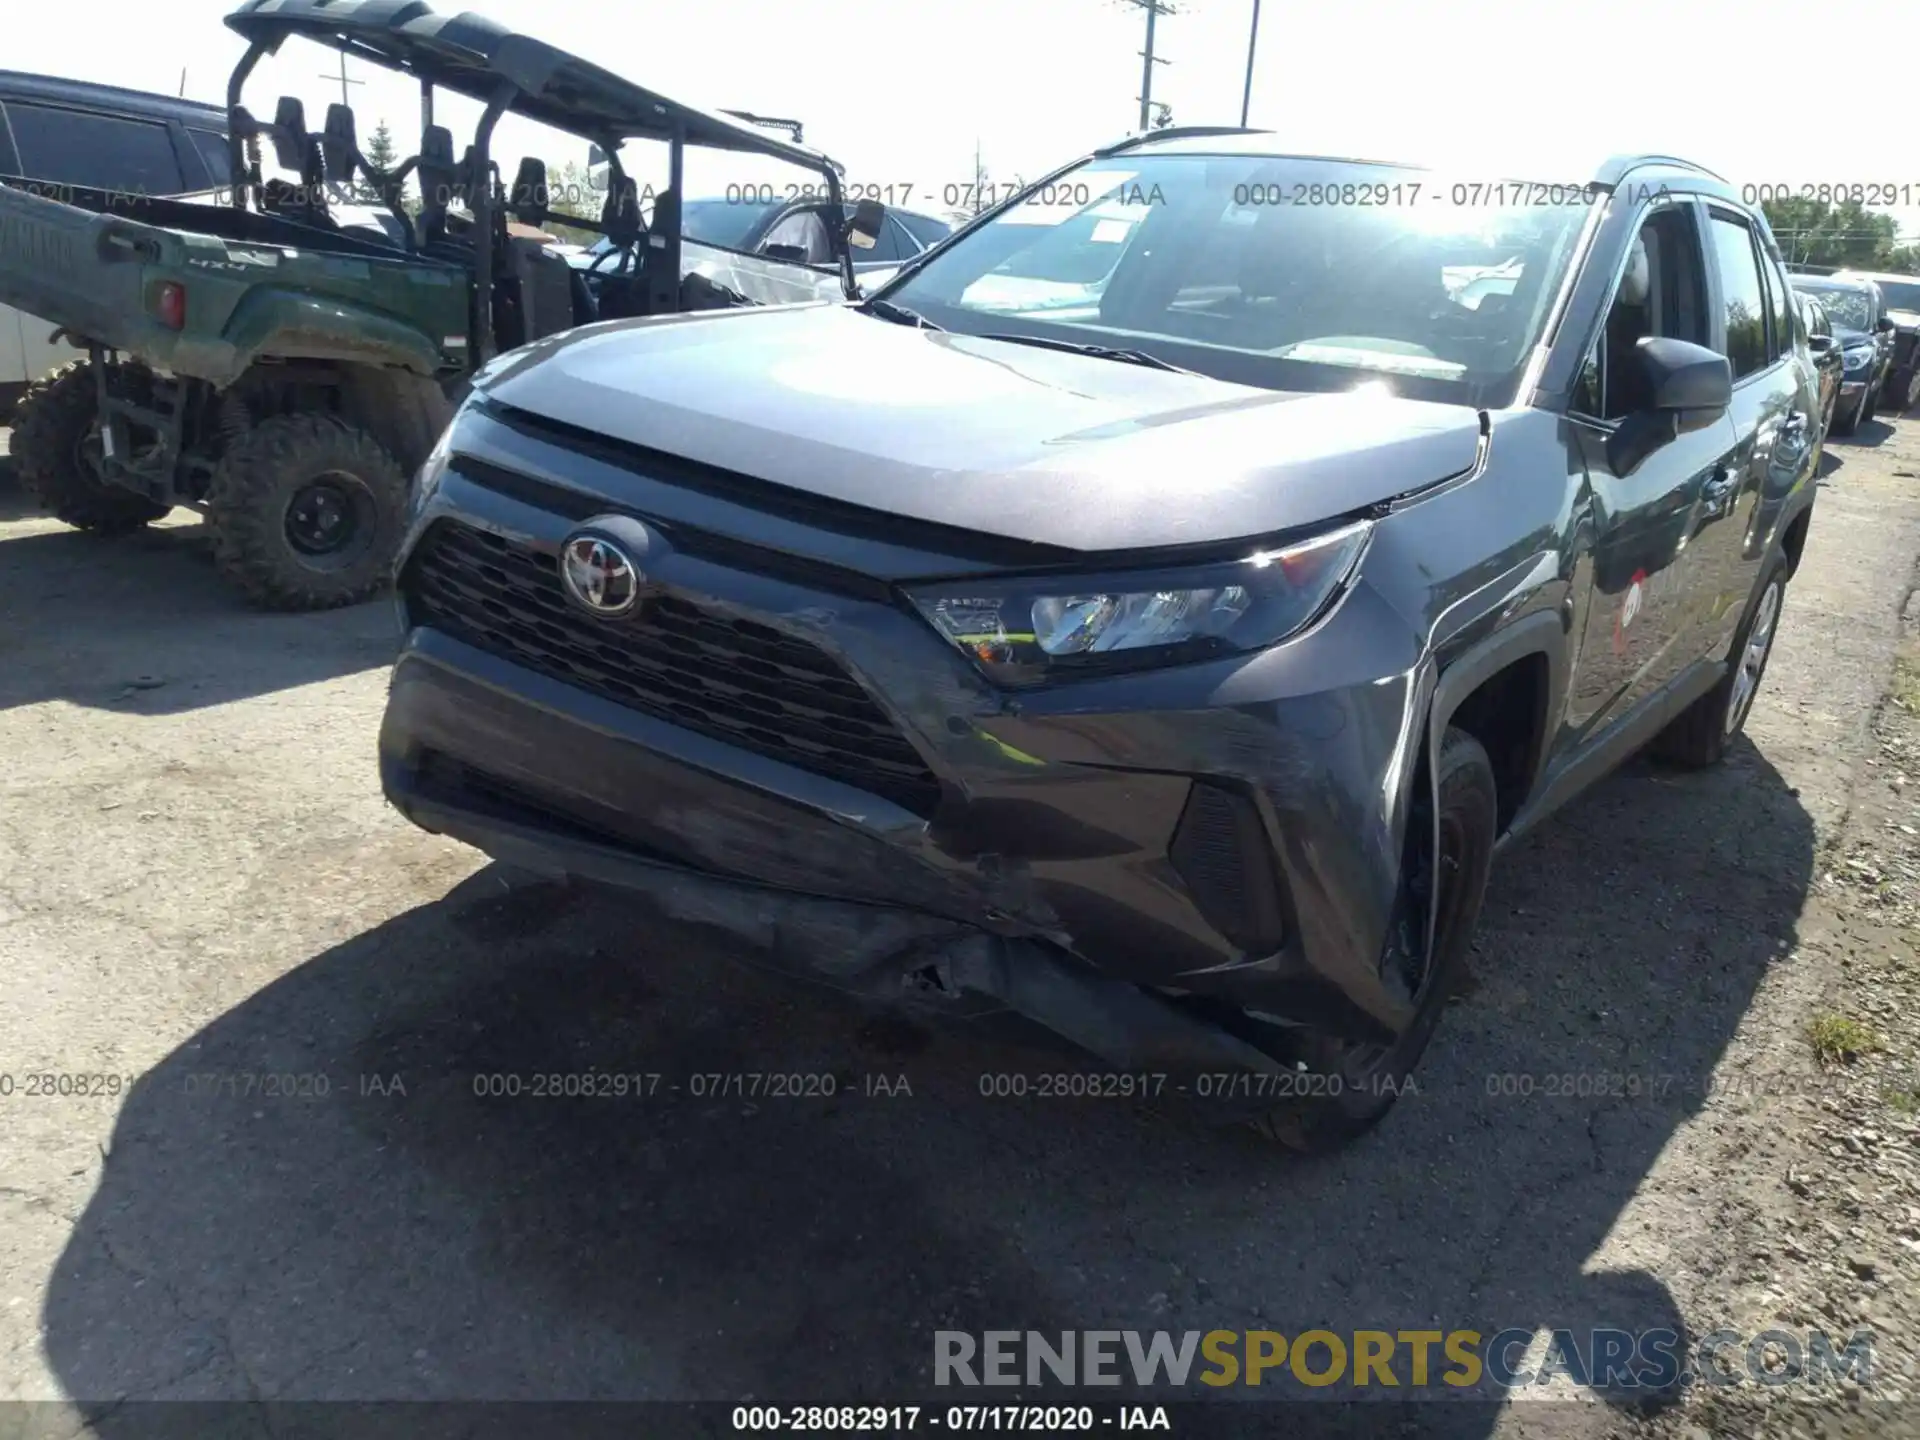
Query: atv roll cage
x,y
506,72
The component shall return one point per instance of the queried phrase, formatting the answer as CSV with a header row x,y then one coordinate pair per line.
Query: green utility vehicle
x,y
258,359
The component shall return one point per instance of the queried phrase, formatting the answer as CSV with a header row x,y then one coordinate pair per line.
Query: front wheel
x,y
1850,421
306,512
1702,734
1352,1086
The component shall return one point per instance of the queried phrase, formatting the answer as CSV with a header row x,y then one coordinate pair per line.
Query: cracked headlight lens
x,y
1033,629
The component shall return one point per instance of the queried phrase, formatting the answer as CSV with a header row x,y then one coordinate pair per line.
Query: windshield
x,y
1901,294
1281,273
1848,309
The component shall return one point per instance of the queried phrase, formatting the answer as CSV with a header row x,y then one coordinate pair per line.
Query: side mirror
x,y
1884,325
865,224
796,253
1820,344
1691,387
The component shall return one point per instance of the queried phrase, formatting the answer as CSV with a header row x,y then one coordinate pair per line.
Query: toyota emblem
x,y
599,575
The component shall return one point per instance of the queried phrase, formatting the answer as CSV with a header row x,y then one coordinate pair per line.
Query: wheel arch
x,y
1504,691
292,325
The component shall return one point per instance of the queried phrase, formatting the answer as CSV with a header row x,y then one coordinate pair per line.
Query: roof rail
x,y
1176,132
767,122
1682,162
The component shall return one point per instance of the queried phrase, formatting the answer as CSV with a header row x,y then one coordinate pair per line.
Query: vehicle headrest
x,y
666,211
620,216
436,148
529,199
290,134
1636,283
339,146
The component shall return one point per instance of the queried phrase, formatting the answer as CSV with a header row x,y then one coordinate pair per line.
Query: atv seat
x,y
530,198
660,279
442,182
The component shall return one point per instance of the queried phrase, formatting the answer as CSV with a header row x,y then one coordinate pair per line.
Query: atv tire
x,y
56,454
307,512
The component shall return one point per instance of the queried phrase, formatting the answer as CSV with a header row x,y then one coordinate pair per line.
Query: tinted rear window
x,y
101,152
924,228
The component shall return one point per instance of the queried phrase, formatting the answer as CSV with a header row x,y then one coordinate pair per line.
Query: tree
x,y
380,156
570,192
1824,234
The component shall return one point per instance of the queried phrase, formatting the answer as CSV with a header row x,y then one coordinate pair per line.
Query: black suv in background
x,y
1862,327
1159,654
68,132
1902,296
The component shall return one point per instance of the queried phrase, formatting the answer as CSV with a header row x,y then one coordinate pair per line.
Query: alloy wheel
x,y
1753,657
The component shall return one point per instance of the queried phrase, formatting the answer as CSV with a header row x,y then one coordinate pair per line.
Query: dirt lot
x,y
199,882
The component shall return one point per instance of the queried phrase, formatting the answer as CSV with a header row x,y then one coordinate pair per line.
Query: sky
x,y
902,93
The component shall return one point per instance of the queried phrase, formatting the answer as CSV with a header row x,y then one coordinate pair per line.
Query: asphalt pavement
x,y
284,1175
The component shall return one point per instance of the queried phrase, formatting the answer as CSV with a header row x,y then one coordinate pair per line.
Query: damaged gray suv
x,y
1147,614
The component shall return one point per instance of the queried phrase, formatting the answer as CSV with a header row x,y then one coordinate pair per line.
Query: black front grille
x,y
732,679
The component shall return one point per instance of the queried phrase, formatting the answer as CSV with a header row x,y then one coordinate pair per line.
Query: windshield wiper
x,y
1098,352
898,314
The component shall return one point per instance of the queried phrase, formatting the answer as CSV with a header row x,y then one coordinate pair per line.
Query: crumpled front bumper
x,y
1228,832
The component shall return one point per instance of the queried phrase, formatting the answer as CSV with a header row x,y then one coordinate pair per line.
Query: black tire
x,y
269,483
1369,1082
55,444
1701,735
1869,404
1849,421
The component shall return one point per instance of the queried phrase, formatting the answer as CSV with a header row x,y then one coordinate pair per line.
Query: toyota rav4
x,y
1161,656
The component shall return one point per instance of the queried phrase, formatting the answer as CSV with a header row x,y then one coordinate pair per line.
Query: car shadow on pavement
x,y
144,621
413,1233
1871,435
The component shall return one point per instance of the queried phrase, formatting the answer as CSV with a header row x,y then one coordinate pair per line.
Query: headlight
x,y
1859,359
1053,627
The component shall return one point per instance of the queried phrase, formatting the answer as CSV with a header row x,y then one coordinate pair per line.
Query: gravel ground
x,y
198,878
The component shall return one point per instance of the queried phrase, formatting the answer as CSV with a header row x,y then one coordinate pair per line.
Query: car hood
x,y
999,438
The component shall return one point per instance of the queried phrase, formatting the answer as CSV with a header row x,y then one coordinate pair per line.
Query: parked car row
x,y
1862,332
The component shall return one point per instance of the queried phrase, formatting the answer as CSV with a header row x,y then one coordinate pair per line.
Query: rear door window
x,y
100,152
213,150
1742,294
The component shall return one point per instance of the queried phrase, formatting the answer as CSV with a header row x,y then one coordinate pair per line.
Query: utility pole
x,y
1253,36
183,82
342,78
1154,9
